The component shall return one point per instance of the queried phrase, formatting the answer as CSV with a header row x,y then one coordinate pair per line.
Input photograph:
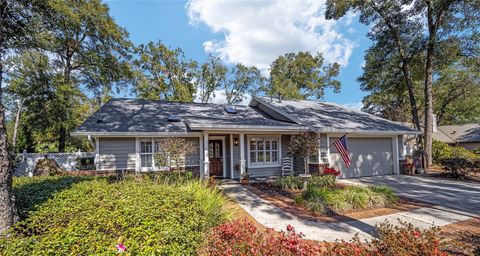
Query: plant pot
x,y
244,181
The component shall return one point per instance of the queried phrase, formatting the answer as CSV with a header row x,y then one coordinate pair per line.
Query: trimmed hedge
x,y
85,216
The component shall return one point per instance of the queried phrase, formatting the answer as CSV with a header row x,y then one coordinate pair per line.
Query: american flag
x,y
341,145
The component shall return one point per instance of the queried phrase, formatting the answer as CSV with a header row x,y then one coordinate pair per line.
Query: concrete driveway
x,y
464,196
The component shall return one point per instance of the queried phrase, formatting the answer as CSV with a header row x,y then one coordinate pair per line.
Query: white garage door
x,y
369,157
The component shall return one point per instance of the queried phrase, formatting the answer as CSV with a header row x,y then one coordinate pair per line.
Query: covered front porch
x,y
231,155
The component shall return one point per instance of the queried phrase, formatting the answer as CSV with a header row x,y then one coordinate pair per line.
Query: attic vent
x,y
230,110
173,118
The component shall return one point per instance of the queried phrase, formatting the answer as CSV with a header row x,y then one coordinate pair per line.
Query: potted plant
x,y
245,179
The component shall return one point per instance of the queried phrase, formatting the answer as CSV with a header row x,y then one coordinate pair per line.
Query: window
x,y
146,154
264,151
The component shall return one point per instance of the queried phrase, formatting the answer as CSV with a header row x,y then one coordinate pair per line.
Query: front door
x,y
215,152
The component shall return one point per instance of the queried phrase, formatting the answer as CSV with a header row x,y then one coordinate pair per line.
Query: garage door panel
x,y
369,157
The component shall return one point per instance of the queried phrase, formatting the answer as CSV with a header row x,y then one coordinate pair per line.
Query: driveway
x,y
451,194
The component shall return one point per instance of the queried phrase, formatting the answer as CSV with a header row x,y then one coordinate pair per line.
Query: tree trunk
x,y
411,95
17,122
7,210
428,90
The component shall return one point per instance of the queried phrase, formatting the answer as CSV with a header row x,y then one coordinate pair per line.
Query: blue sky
x,y
251,32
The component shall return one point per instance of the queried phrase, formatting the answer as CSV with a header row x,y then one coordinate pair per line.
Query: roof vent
x,y
230,110
173,118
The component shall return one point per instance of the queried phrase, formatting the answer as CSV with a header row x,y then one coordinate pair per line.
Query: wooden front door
x,y
215,152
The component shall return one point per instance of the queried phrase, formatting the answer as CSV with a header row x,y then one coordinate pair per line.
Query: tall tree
x,y
165,74
302,75
213,75
244,80
394,35
89,47
15,22
422,24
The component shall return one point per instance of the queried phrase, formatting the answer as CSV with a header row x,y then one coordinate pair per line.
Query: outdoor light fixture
x,y
235,141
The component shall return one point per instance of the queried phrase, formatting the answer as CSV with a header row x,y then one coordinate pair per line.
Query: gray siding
x,y
116,153
469,145
193,159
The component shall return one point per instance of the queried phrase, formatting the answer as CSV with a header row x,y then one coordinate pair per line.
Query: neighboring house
x,y
238,139
465,135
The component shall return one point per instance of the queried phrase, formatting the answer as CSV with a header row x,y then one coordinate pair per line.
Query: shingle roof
x,y
146,116
461,133
330,117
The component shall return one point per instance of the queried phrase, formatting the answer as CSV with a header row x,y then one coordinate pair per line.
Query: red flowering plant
x,y
331,171
241,237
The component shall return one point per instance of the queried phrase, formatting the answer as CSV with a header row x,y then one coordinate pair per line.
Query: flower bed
x,y
324,196
164,215
241,237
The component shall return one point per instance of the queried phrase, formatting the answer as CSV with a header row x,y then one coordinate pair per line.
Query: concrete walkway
x,y
274,217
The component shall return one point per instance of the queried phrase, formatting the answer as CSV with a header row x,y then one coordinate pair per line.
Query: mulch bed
x,y
284,199
437,172
461,238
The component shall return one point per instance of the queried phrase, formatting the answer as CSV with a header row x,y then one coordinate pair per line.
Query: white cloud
x,y
256,32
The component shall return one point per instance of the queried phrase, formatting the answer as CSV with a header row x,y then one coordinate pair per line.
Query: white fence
x,y
26,162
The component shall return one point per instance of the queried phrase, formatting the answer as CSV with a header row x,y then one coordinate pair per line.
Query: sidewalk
x,y
273,217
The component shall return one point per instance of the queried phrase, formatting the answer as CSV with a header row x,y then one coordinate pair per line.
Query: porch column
x,y
206,163
200,156
242,154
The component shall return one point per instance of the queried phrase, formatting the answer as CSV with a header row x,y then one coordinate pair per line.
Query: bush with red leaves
x,y
241,237
331,171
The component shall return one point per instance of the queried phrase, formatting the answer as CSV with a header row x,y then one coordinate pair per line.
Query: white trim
x,y
137,154
206,162
279,137
231,156
201,155
396,165
328,150
97,153
224,162
242,154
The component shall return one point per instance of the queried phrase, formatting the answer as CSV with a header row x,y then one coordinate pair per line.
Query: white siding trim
x,y
97,153
328,150
231,155
396,167
201,163
137,154
242,154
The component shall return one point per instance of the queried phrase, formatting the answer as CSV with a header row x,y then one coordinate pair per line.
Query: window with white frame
x,y
146,153
264,151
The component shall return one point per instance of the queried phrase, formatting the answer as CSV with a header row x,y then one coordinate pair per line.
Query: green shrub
x,y
322,181
442,150
86,217
288,182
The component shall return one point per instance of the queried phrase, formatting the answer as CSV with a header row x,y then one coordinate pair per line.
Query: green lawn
x,y
85,216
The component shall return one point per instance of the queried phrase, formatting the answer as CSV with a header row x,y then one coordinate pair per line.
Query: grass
x,y
331,200
85,216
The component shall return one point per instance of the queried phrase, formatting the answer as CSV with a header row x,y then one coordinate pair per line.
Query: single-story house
x,y
465,135
232,140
